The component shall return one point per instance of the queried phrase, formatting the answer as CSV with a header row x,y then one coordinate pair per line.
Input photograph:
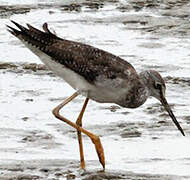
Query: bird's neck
x,y
143,91
144,78
138,94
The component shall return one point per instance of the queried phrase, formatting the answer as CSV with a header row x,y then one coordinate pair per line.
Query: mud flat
x,y
65,169
139,144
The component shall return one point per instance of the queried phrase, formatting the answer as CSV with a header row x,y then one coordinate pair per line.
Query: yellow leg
x,y
95,139
79,123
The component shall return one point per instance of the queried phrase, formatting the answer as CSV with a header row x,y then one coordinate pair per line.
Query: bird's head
x,y
156,87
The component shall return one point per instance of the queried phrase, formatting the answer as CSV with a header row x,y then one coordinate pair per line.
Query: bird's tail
x,y
33,36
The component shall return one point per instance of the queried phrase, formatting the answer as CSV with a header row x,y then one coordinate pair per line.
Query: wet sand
x,y
68,169
139,144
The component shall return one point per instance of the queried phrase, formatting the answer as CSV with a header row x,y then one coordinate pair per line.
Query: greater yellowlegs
x,y
94,73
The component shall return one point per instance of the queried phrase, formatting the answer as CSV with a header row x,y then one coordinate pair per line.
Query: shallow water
x,y
139,143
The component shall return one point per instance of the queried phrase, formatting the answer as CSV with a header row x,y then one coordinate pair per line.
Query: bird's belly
x,y
80,84
104,95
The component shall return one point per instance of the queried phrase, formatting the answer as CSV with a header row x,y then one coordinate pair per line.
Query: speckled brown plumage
x,y
83,59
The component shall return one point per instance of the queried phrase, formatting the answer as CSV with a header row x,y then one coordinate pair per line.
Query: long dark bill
x,y
168,109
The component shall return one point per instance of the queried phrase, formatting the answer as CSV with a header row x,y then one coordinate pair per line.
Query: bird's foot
x,y
99,150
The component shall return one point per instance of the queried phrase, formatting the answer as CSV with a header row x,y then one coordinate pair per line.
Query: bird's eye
x,y
158,85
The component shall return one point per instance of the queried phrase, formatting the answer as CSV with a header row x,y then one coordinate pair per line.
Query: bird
x,y
95,74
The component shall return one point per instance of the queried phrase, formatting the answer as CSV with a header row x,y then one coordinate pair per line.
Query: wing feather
x,y
86,60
